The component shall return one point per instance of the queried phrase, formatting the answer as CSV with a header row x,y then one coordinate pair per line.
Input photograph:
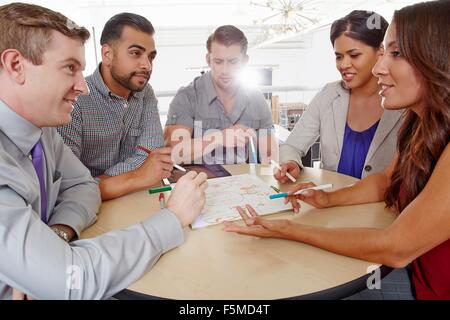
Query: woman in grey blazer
x,y
357,137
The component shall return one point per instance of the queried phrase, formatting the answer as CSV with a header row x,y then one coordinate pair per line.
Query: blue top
x,y
354,151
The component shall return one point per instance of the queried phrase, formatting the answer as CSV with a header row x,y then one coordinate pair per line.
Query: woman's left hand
x,y
257,226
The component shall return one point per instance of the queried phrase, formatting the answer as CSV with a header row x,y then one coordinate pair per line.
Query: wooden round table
x,y
213,264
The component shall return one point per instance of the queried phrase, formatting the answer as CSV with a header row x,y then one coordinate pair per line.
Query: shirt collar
x,y
211,94
20,131
241,102
101,86
210,90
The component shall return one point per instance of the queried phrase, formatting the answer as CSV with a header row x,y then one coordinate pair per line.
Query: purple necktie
x,y
37,154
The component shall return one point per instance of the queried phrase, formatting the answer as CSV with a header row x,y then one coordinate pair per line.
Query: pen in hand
x,y
286,194
148,151
277,165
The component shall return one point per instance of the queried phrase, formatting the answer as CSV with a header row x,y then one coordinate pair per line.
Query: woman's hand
x,y
257,226
290,167
316,198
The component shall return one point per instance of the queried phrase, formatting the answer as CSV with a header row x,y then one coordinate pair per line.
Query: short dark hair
x,y
228,35
114,26
365,26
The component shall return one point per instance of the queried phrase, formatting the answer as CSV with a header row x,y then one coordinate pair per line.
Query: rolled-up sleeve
x,y
180,110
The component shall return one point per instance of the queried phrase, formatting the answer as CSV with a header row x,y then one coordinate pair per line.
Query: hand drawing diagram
x,y
223,195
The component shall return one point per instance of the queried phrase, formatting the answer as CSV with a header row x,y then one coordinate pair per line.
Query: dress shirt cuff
x,y
71,219
288,153
166,226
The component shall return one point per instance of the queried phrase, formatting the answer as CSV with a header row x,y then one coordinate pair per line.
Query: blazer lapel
x,y
340,110
387,122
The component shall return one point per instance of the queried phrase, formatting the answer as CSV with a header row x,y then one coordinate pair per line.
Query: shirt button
x,y
368,168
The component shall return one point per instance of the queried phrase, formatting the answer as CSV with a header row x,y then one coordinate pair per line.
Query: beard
x,y
126,80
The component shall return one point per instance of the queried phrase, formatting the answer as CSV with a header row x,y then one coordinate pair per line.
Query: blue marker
x,y
278,195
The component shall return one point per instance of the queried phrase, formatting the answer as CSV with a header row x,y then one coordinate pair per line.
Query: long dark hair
x,y
423,39
365,26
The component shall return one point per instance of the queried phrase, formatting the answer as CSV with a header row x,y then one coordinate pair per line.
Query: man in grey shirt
x,y
216,115
43,186
121,112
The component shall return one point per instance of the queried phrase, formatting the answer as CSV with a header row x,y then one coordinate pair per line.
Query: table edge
x,y
334,293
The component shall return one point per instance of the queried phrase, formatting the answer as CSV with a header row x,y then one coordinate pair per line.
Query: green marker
x,y
159,189
276,189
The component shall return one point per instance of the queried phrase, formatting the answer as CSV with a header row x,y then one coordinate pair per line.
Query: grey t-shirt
x,y
197,106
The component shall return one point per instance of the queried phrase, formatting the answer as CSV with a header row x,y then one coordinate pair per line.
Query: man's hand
x,y
188,197
19,295
237,135
156,167
290,167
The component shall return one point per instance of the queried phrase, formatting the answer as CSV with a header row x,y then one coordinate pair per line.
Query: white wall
x,y
312,67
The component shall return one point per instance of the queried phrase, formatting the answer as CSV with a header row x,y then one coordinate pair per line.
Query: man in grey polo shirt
x,y
215,116
121,112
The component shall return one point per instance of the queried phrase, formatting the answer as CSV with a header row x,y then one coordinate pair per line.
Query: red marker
x,y
144,149
161,200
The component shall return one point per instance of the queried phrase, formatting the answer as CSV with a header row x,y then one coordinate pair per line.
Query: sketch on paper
x,y
224,194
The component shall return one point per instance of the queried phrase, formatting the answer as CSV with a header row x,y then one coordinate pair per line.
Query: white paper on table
x,y
225,193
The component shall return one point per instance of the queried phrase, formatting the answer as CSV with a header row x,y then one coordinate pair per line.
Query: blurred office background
x,y
291,56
